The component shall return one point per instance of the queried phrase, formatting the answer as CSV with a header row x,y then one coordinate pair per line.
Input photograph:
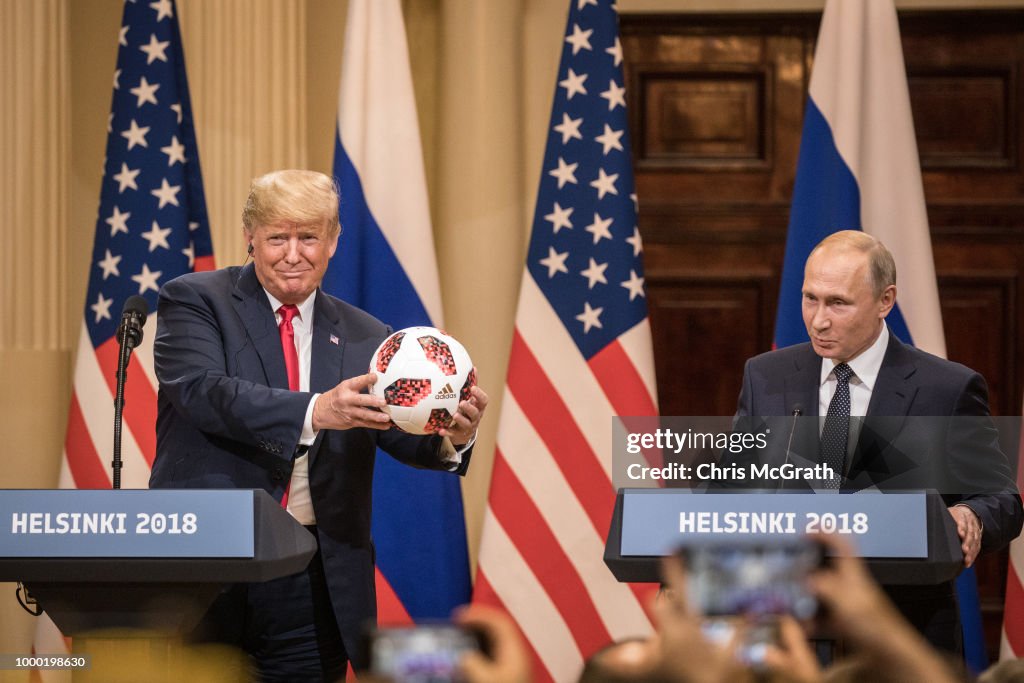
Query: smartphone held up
x,y
423,653
740,591
752,580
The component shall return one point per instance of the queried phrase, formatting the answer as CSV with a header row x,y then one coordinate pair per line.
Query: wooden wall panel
x,y
697,118
728,305
980,302
712,110
689,305
964,119
964,71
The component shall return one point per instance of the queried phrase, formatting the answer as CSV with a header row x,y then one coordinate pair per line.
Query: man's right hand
x,y
346,406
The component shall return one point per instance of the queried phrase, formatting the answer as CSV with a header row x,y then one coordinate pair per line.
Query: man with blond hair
x,y
854,366
263,386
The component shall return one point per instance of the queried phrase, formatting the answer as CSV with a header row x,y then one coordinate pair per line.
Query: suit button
x,y
277,474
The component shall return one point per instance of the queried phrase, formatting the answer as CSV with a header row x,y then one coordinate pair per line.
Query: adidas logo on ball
x,y
445,393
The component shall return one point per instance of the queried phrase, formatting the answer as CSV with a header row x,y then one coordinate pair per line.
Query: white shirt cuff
x,y
452,456
308,435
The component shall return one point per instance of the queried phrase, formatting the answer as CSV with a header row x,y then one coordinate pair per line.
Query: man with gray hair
x,y
854,366
263,382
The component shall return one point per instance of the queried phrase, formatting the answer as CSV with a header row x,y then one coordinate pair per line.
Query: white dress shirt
x,y
300,503
865,368
865,373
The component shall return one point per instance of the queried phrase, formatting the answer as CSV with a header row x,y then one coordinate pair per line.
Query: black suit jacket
x,y
226,418
956,451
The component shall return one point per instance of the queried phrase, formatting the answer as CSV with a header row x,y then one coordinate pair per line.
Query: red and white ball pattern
x,y
422,373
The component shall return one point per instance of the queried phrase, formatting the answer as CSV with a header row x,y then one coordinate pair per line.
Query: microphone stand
x,y
129,335
122,374
798,410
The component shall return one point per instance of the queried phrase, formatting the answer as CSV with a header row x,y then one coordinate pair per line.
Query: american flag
x,y
1011,645
581,354
151,227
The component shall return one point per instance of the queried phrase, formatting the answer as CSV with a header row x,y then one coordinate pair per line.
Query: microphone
x,y
129,335
798,410
133,317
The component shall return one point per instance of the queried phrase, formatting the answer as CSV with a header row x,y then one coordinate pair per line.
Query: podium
x,y
151,561
906,538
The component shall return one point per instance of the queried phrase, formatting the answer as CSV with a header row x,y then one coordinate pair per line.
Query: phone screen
x,y
420,654
752,580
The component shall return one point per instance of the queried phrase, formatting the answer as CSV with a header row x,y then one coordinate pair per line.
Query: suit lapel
x,y
328,347
890,402
802,384
802,390
894,389
253,307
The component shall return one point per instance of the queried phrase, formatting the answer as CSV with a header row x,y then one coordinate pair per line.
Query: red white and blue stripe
x,y
385,264
581,353
858,168
1011,644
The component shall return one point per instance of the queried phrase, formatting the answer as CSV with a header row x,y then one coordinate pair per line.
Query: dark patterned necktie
x,y
836,432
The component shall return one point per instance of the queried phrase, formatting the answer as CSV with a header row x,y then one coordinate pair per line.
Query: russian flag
x,y
385,264
858,169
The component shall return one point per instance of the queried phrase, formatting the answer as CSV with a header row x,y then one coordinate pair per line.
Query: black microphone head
x,y
798,410
133,317
136,305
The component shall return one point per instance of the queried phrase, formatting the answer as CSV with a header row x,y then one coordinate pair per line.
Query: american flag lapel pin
x,y
334,339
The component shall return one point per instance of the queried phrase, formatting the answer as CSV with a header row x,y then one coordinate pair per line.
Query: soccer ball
x,y
423,374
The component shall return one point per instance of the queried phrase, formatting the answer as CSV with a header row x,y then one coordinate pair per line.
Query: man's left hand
x,y
463,428
968,527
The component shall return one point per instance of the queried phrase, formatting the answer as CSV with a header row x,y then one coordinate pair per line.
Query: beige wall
x,y
264,76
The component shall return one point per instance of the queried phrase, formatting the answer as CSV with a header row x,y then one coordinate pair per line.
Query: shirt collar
x,y
305,308
866,366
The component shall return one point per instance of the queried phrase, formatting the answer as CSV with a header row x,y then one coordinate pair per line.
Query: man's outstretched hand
x,y
347,406
467,419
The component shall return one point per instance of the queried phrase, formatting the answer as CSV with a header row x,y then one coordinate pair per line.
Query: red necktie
x,y
291,360
291,356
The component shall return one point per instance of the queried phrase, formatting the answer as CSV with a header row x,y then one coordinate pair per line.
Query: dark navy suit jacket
x,y
227,419
956,453
955,450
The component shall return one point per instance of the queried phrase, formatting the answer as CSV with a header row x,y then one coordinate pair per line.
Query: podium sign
x,y
907,538
151,561
143,559
126,524
657,521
